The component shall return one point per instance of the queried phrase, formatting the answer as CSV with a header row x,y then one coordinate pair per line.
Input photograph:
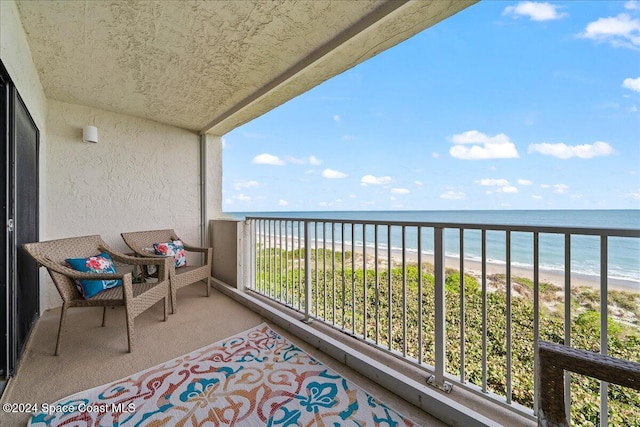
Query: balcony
x,y
441,373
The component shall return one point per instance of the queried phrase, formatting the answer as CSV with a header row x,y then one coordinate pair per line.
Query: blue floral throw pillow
x,y
174,249
101,263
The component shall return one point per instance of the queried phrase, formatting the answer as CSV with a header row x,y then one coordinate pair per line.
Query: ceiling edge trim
x,y
365,22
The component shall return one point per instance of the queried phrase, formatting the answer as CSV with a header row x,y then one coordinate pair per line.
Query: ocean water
x,y
623,252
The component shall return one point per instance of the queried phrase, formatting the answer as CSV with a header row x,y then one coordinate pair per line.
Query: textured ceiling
x,y
213,65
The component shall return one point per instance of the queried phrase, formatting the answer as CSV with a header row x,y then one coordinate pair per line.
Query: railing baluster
x,y
269,260
353,278
324,269
258,240
274,271
462,310
254,256
307,273
439,280
389,305
315,267
420,339
263,279
604,336
286,262
508,280
375,258
567,321
306,248
265,259
484,310
333,272
344,279
280,259
364,280
536,320
404,291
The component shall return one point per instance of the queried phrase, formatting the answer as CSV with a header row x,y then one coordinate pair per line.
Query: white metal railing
x,y
356,278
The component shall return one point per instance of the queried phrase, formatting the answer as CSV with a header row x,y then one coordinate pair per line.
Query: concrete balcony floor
x,y
91,355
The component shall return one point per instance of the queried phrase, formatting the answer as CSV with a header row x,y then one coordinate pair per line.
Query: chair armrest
x,y
190,248
75,274
555,359
146,259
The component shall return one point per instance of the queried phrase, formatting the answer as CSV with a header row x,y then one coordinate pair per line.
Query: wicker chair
x,y
181,276
136,298
554,359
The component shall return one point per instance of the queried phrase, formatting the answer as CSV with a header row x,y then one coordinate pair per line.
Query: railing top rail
x,y
591,231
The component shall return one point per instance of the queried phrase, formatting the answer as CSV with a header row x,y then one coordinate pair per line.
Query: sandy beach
x,y
471,267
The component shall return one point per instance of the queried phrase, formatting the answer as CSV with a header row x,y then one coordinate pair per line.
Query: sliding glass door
x,y
19,286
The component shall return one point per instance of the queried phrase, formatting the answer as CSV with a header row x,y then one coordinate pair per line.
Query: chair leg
x,y
166,307
63,316
130,319
104,316
208,284
174,298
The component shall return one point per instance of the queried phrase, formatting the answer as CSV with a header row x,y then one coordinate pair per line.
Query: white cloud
x,y
634,195
282,202
239,185
452,195
535,11
632,5
508,189
243,197
537,197
525,182
333,174
267,159
348,137
557,188
418,183
482,146
633,84
435,155
560,188
400,191
373,180
492,182
336,118
223,142
563,151
311,160
619,31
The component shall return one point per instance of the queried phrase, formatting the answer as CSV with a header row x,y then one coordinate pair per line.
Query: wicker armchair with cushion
x,y
77,288
143,243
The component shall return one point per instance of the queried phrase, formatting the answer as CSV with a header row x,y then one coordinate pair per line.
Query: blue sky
x,y
506,105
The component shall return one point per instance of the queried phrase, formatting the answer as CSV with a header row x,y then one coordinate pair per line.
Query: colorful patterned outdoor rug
x,y
256,378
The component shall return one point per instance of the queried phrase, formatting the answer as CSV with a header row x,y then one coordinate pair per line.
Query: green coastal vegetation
x,y
352,298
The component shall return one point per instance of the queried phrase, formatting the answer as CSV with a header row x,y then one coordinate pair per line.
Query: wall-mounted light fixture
x,y
90,134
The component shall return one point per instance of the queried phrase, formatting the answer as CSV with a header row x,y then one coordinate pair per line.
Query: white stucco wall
x,y
16,57
141,175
